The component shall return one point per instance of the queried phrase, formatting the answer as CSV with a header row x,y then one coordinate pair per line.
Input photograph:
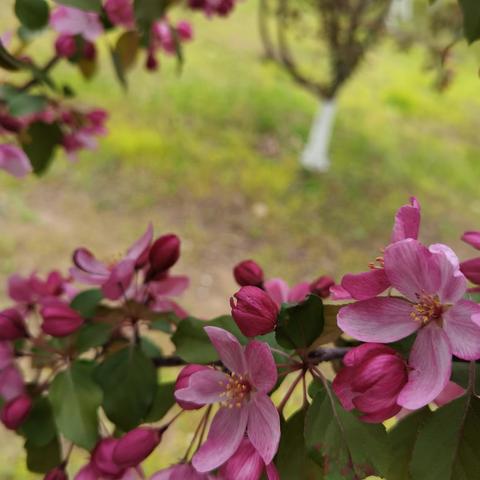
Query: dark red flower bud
x,y
163,255
59,320
16,411
12,325
102,458
152,63
134,447
248,272
255,312
65,45
9,123
57,473
183,380
321,286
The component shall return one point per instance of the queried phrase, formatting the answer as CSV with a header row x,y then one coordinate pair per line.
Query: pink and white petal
x,y
431,364
169,286
382,319
230,351
278,290
362,286
139,250
299,292
204,387
262,370
86,261
449,393
119,280
412,269
245,464
226,433
263,426
462,331
407,223
453,283
88,278
472,238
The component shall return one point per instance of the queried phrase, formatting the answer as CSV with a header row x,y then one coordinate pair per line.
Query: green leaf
x,y
40,143
25,104
39,428
162,403
402,442
293,460
92,335
33,14
460,374
75,399
41,459
447,446
129,380
192,343
471,19
351,449
124,54
86,303
150,348
301,324
87,5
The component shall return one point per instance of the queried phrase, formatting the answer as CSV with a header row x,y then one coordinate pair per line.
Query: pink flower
x,y
371,381
280,292
74,21
11,382
59,320
247,464
16,411
247,273
115,277
162,36
182,471
12,325
254,311
65,45
120,12
135,446
184,30
14,160
321,286
159,294
243,395
472,238
433,286
373,282
183,380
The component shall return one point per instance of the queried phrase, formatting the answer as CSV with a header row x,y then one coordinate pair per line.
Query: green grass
x,y
213,155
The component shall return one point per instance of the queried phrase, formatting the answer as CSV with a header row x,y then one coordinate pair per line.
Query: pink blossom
x,y
371,380
135,446
115,277
162,36
472,238
181,471
16,411
374,281
254,311
59,320
247,464
280,292
183,380
159,294
247,273
120,12
433,286
12,384
243,396
73,21
12,325
14,160
184,30
65,45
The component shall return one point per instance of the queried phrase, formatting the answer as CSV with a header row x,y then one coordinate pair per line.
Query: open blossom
x,y
181,471
371,380
14,160
371,283
245,407
247,464
433,286
74,21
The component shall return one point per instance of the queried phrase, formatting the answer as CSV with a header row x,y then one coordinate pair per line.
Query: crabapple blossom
x,y
73,21
247,273
120,12
183,380
14,160
280,292
181,471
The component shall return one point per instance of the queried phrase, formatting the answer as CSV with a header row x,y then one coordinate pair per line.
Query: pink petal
x,y
169,286
86,261
162,305
205,387
6,355
431,363
407,222
119,280
278,289
299,292
226,432
380,416
272,472
75,21
14,160
471,269
262,370
449,393
229,349
362,286
472,238
11,383
140,248
337,292
342,386
462,332
382,319
412,269
263,426
453,283
245,464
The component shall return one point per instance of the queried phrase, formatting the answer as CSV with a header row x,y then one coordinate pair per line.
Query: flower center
x,y
111,261
237,389
427,309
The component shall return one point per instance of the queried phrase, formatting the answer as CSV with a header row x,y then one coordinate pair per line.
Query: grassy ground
x,y
213,155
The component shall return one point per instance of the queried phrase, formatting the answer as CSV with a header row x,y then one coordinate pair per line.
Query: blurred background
x,y
212,155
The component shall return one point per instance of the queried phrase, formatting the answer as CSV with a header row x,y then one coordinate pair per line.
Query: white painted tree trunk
x,y
315,156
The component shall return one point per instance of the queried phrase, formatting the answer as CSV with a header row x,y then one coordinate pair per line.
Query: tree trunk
x,y
315,156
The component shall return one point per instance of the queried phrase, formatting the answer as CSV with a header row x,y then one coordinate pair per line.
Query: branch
x,y
42,72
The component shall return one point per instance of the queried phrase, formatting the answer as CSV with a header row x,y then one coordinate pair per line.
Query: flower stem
x,y
290,390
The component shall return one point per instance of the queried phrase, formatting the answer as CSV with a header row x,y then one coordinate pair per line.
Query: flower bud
x,y
16,411
12,325
163,255
255,312
321,286
184,30
57,473
152,63
65,45
59,320
371,381
183,380
102,458
134,447
248,272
